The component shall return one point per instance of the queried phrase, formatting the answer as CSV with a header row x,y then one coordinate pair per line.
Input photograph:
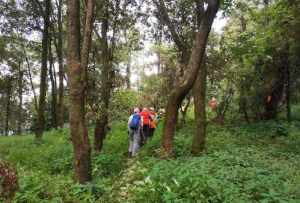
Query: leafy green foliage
x,y
239,166
122,104
244,163
260,42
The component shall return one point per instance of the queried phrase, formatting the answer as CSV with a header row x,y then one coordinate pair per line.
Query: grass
x,y
246,163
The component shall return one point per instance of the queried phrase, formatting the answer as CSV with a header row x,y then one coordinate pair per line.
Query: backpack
x,y
153,121
135,122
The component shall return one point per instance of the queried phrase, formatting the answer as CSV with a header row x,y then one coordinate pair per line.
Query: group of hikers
x,y
141,126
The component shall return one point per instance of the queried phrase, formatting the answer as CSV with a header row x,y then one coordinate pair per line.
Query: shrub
x,y
8,181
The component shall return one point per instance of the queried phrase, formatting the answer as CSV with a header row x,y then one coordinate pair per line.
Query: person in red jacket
x,y
146,120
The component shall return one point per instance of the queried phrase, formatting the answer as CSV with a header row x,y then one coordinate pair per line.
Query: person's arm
x,y
142,121
129,120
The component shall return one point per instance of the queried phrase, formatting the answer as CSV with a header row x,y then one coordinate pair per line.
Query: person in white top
x,y
134,126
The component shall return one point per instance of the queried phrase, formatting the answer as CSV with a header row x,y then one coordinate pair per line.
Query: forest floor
x,y
243,163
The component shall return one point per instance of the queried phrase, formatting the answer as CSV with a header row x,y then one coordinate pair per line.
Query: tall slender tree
x,y
105,91
52,76
43,78
61,72
20,95
8,104
77,64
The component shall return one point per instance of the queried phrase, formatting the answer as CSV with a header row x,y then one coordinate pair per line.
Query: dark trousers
x,y
146,133
151,132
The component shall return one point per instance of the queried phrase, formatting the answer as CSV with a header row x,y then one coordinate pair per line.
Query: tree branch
x,y
160,4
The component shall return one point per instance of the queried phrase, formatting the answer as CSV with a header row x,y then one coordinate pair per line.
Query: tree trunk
x,y
102,122
31,82
53,89
43,78
61,72
76,70
101,126
243,25
181,90
223,106
8,96
244,87
20,95
200,113
128,72
276,89
243,109
170,122
100,133
105,91
158,62
287,87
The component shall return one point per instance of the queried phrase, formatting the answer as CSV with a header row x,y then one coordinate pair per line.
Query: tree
x,y
77,64
8,104
43,79
191,66
259,40
111,49
52,76
106,80
20,95
61,72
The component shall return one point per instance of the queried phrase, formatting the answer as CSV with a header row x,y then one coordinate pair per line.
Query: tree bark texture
x,y
76,70
43,78
199,91
100,133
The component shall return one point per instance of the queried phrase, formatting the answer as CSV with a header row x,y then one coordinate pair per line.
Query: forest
x,y
163,101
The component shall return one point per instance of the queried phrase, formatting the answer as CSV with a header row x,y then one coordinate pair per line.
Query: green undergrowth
x,y
242,163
